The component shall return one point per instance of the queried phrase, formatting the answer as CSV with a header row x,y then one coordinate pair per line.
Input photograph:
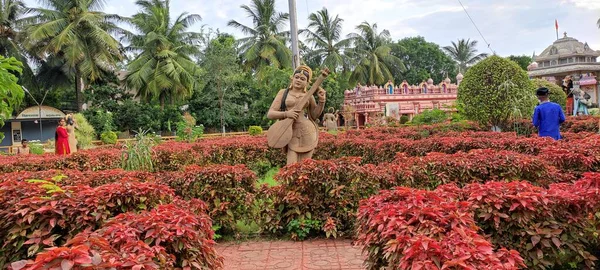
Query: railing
x,y
398,92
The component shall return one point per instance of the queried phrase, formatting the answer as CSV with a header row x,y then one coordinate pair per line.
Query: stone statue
x,y
584,102
71,126
304,131
330,120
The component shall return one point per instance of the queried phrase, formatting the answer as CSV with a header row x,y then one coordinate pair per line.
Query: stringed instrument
x,y
280,133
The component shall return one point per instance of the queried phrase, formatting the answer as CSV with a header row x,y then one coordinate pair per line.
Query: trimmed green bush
x,y
255,130
557,95
109,137
496,90
430,117
84,132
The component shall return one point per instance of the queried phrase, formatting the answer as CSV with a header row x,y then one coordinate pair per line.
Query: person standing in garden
x,y
61,138
547,116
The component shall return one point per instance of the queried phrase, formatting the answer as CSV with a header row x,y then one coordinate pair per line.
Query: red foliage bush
x,y
327,191
169,236
549,228
407,228
43,214
228,190
480,165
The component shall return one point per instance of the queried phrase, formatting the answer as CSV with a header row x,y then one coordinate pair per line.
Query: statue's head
x,y
301,77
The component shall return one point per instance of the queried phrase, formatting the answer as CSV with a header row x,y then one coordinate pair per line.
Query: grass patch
x,y
268,178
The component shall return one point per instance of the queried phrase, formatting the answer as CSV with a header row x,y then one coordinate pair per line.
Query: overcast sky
x,y
510,26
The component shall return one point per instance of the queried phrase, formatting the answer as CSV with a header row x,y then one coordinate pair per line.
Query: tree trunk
x,y
162,102
79,91
221,94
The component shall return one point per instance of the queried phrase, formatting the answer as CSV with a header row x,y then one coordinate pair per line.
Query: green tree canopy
x,y
163,70
494,90
324,33
373,61
523,61
11,94
423,60
221,102
77,32
265,43
464,53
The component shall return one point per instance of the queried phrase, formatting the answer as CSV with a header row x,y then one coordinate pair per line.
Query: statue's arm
x,y
274,113
316,109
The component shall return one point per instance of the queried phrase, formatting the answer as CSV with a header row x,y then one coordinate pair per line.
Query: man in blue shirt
x,y
547,116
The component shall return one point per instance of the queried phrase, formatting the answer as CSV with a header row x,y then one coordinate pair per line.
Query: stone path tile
x,y
290,255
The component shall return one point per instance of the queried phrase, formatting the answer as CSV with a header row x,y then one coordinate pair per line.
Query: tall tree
x,y
423,60
220,94
324,33
10,13
265,44
522,60
373,61
464,53
164,68
11,93
78,32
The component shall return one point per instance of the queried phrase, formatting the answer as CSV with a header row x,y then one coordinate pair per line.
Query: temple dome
x,y
567,46
459,76
447,80
430,81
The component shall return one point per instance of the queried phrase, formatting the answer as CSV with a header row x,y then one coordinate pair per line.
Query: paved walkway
x,y
289,255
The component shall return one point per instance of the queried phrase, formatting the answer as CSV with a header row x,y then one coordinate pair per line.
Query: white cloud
x,y
511,26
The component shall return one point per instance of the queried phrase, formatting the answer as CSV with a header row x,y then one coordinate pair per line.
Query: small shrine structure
x,y
397,100
568,56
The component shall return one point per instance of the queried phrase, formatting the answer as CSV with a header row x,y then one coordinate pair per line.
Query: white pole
x,y
294,34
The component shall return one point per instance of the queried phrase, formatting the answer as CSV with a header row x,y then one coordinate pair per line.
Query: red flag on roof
x,y
556,24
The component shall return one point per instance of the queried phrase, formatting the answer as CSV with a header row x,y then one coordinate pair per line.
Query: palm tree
x,y
464,53
164,68
265,44
77,32
373,61
324,34
10,13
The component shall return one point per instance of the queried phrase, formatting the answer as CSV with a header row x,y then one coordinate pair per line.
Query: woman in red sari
x,y
62,139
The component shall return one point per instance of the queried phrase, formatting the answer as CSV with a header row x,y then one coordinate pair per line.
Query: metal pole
x,y
294,34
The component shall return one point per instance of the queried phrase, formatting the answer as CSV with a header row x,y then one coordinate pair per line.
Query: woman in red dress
x,y
62,139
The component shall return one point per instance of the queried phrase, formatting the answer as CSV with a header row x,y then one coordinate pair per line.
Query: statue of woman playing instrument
x,y
304,130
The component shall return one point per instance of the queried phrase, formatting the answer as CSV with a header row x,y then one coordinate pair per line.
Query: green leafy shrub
x,y
36,149
404,119
557,95
11,93
228,191
301,229
255,130
494,90
430,117
84,132
137,154
109,137
187,129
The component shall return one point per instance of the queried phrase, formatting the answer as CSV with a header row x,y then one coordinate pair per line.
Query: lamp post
x,y
294,34
39,108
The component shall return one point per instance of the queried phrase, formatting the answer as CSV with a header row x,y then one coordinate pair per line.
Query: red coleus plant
x,y
173,236
35,219
415,229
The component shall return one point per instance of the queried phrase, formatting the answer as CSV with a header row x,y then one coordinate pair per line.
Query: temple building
x,y
395,101
568,56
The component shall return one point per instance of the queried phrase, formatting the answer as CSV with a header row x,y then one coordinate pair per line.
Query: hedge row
x,y
578,154
327,191
554,227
